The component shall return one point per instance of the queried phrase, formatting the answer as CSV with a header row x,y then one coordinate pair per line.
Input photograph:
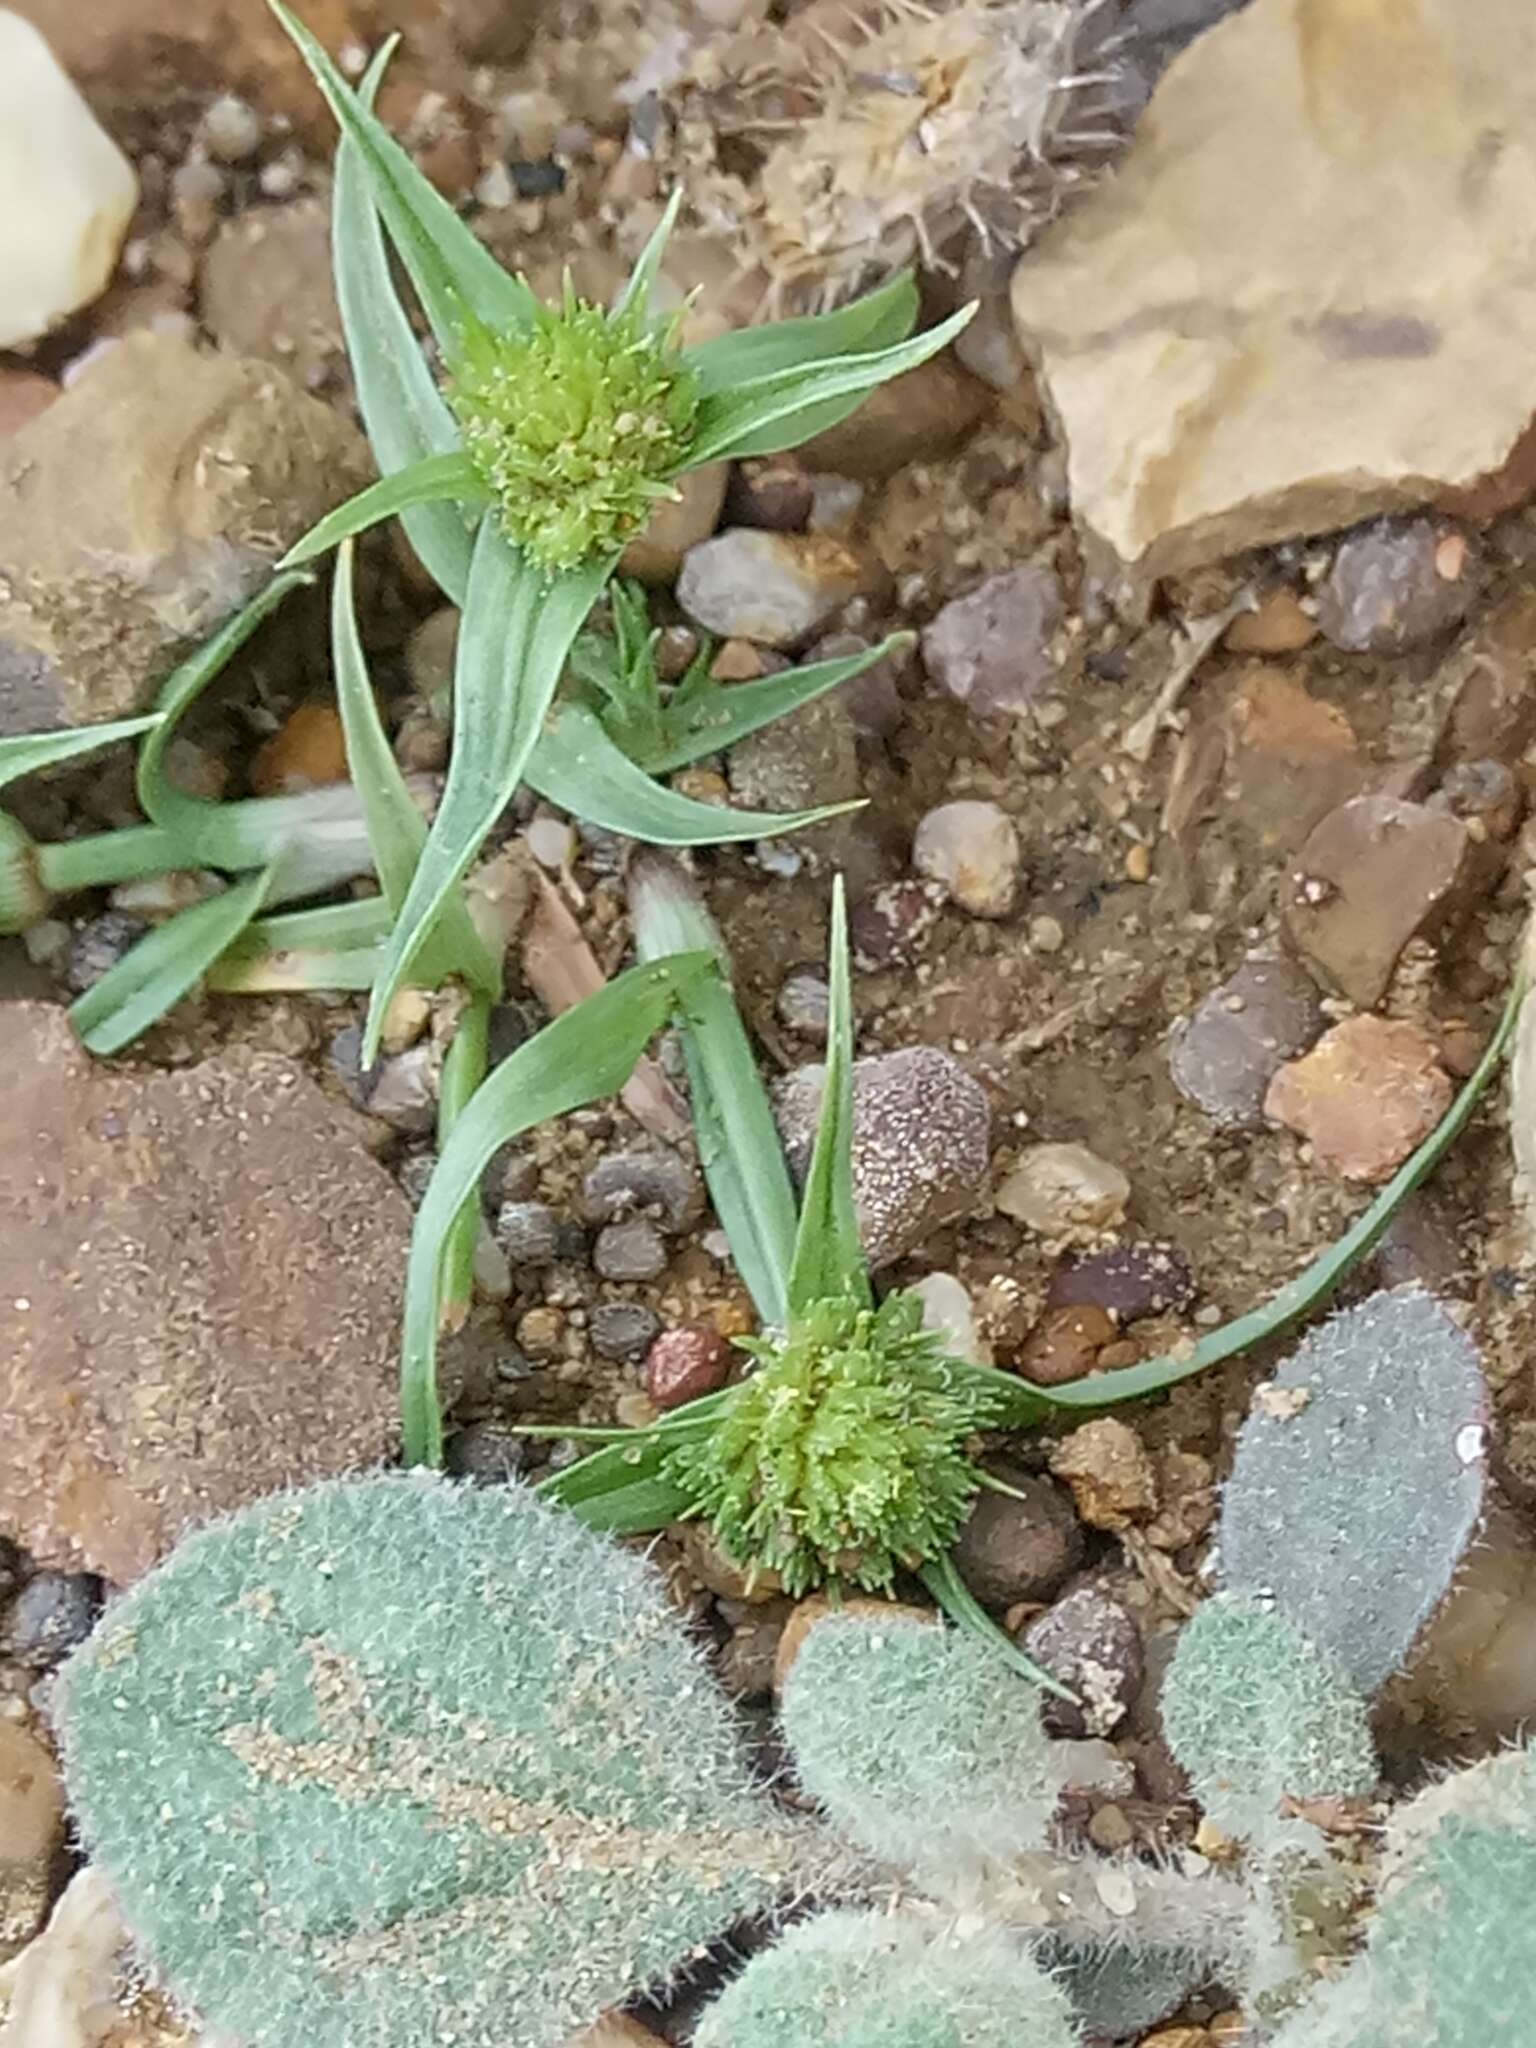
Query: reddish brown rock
x,y
1370,1090
31,1833
308,750
1374,874
1290,757
200,1294
912,419
1064,1345
686,1363
1128,1281
23,395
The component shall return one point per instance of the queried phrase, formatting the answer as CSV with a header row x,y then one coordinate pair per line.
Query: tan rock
x,y
806,1613
31,1831
23,395
1369,1091
714,1568
216,466
1277,626
914,418
1290,758
677,524
1374,874
1107,1467
266,289
200,1277
1296,307
1063,1191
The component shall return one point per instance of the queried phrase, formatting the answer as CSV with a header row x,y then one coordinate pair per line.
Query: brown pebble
x,y
307,751
1138,863
1277,626
1064,1344
541,1332
714,1568
1129,1280
1019,1545
686,1363
1109,1829
772,491
1369,1091
1115,1356
23,395
738,661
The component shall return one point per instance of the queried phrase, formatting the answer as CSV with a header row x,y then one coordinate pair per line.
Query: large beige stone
x,y
1309,294
140,510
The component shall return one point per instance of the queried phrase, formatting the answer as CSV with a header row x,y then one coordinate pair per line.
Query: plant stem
x,y
463,1071
106,857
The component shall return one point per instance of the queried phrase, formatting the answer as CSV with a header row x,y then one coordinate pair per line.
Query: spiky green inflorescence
x,y
870,1980
576,424
397,1760
1254,1712
912,1746
843,1457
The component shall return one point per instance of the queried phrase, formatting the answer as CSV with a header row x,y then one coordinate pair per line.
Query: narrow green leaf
x,y
788,407
155,974
954,1596
829,1260
878,320
738,1140
518,626
580,1057
433,480
397,831
338,946
464,1070
577,766
406,416
718,717
640,286
25,752
358,926
1310,1289
456,277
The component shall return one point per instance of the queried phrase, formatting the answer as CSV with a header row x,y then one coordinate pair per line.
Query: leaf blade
x,y
517,629
829,1263
156,973
23,753
579,1057
449,478
579,767
877,320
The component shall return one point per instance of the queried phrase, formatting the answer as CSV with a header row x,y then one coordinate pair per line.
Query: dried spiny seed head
x,y
891,129
23,897
577,425
843,1457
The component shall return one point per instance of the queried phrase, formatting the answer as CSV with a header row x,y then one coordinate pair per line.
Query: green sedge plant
x,y
852,1450
521,476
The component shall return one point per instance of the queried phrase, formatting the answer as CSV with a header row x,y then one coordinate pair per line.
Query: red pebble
x,y
684,1363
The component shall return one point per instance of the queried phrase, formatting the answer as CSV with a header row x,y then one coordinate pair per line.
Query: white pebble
x,y
67,192
947,1311
231,130
1064,1191
973,849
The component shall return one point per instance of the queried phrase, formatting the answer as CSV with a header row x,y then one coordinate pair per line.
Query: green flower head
x,y
576,424
843,1457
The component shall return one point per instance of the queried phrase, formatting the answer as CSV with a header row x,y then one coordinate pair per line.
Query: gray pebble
x,y
529,1233
630,1251
414,1172
486,1454
97,946
992,649
622,1330
771,588
801,1004
404,1090
653,1180
51,1614
231,129
1225,1056
1387,590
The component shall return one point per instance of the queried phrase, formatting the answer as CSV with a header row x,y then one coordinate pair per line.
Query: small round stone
x,y
485,1454
541,1331
801,1004
231,130
97,946
51,1614
652,1180
1094,1646
890,927
528,1232
1063,1190
1012,1549
622,1330
686,1363
971,848
1129,1281
1064,1345
630,1251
